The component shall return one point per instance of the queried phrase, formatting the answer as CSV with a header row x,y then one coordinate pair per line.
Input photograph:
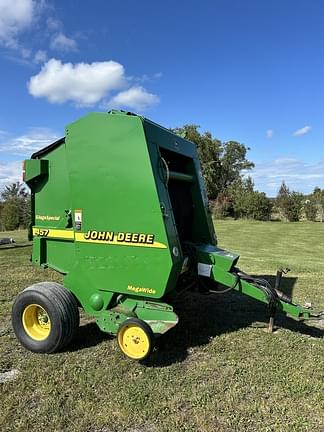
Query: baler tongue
x,y
220,266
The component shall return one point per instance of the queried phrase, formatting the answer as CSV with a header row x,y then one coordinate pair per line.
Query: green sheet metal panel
x,y
121,242
104,193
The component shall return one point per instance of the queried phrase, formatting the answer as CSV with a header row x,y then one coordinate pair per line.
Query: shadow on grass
x,y
202,317
14,246
287,283
88,335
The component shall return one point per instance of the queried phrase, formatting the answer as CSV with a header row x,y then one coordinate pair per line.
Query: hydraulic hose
x,y
270,293
236,282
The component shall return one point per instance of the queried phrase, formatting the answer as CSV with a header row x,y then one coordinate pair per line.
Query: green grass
x,y
218,370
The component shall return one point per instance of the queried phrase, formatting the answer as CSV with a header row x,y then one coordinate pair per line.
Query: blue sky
x,y
251,71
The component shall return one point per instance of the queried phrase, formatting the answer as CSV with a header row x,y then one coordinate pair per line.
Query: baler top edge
x,y
148,121
178,137
60,141
48,148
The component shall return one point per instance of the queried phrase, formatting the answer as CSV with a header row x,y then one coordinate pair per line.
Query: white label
x,y
185,265
78,215
204,269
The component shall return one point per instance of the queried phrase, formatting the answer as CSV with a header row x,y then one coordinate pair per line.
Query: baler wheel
x,y
45,317
135,338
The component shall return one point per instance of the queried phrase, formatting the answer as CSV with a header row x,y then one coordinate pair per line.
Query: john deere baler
x,y
119,208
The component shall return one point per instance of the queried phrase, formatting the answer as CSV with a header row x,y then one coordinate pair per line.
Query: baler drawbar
x,y
220,267
119,208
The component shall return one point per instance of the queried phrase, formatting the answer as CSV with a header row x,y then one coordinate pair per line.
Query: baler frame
x,y
122,256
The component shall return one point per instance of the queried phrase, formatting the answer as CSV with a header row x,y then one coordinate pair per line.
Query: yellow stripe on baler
x,y
80,237
53,233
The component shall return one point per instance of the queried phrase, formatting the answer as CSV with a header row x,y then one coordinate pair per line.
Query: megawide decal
x,y
141,289
120,238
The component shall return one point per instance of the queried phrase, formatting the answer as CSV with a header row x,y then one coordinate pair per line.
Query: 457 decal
x,y
39,232
53,233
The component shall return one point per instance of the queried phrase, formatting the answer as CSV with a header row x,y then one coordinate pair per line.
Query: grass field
x,y
218,370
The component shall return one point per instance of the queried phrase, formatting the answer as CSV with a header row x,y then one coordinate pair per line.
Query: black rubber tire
x,y
144,326
62,309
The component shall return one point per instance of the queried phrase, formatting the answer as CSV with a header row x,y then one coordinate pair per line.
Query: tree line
x,y
14,207
231,192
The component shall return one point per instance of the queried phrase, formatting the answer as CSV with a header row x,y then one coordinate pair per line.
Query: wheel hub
x,y
134,342
36,322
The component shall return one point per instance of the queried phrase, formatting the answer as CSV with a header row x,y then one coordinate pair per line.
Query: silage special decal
x,y
47,217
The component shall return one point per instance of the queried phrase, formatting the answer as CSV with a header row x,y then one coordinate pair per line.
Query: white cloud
x,y
269,133
145,77
302,131
10,172
298,175
89,84
136,98
21,146
60,42
40,56
53,23
26,144
82,83
15,16
19,16
25,52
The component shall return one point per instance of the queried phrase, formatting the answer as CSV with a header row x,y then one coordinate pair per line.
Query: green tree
x,y
15,206
233,162
222,207
310,209
289,203
260,207
14,191
318,196
1,217
248,203
10,215
221,163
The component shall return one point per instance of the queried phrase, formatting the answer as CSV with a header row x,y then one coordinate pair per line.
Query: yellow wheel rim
x,y
133,341
36,322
